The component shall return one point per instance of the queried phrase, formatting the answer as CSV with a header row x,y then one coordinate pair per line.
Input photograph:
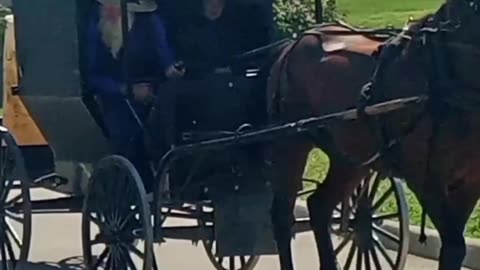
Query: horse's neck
x,y
404,75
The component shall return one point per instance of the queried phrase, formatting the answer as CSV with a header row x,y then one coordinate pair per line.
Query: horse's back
x,y
339,37
328,63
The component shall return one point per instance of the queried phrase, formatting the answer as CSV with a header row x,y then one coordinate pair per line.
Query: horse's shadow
x,y
72,263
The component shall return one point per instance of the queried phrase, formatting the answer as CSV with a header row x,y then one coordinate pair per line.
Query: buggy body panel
x,y
48,50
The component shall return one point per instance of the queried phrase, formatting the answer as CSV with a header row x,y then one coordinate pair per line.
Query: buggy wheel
x,y
16,214
375,231
224,263
116,203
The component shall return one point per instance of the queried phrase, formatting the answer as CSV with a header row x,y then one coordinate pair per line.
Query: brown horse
x,y
437,149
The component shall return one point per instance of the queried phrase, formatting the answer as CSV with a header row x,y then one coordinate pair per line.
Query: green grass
x,y
380,13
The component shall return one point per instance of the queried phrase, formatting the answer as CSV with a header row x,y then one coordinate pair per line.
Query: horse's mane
x,y
415,26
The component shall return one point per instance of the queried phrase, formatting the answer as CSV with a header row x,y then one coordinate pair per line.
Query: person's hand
x,y
174,72
142,92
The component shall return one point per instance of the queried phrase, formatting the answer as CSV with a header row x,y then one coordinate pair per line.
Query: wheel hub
x,y
362,225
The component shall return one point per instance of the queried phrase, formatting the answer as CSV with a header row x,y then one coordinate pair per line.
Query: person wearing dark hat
x,y
210,32
149,60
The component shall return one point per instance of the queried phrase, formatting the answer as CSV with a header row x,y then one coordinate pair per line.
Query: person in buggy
x,y
207,34
150,60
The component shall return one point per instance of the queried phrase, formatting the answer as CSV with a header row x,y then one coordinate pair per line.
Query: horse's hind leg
x,y
341,180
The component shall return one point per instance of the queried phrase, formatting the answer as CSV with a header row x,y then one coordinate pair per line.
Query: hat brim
x,y
142,6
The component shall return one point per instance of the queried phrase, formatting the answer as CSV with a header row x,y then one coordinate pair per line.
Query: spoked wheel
x,y
15,205
376,217
225,263
116,204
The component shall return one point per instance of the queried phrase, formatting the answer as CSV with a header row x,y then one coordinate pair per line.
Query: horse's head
x,y
465,16
451,37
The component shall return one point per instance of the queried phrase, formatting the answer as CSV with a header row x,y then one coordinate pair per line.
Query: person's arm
x,y
98,82
165,52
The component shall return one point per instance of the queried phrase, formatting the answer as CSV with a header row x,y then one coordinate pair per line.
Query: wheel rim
x,y
369,231
15,206
224,263
116,204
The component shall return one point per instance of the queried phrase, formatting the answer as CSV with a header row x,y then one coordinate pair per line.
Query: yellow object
x,y
15,115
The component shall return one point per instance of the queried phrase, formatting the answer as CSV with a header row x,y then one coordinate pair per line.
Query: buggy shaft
x,y
285,130
293,128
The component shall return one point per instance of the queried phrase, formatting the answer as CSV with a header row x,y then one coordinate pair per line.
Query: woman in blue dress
x,y
150,60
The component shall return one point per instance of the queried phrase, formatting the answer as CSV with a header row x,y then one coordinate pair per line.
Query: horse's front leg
x,y
449,214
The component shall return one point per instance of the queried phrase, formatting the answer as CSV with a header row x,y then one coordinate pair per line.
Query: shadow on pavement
x,y
73,263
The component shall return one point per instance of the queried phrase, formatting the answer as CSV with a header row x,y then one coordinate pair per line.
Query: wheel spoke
x,y
126,219
384,198
4,253
8,244
374,188
386,234
7,187
242,261
130,262
344,243
102,257
96,220
351,253
115,257
15,218
384,253
367,260
13,234
14,200
108,264
359,259
386,216
134,250
376,261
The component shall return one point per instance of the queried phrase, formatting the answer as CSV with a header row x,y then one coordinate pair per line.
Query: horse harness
x,y
440,81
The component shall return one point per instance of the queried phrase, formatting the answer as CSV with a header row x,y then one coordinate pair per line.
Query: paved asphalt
x,y
56,244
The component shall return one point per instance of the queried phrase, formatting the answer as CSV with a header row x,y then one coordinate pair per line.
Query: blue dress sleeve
x,y
165,51
97,80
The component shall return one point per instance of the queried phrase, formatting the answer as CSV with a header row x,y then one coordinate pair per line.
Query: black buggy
x,y
215,177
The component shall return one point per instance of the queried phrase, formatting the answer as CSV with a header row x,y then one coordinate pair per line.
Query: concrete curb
x,y
430,250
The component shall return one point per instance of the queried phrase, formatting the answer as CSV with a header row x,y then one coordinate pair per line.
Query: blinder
x,y
474,4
